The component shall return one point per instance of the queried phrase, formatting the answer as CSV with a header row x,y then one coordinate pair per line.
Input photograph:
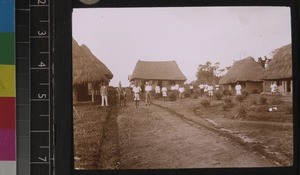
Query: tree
x,y
209,73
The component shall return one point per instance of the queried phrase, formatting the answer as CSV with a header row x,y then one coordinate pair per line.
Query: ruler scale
x,y
41,162
23,86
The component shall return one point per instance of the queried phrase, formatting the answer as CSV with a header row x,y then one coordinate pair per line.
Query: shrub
x,y
205,102
255,91
240,98
187,94
276,101
227,92
173,96
218,95
253,101
241,110
289,109
263,100
245,94
157,95
227,103
195,95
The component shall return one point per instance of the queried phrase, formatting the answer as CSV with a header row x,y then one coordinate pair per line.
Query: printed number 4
x,y
42,64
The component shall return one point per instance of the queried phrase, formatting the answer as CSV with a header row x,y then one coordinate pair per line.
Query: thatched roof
x,y
157,70
86,67
243,70
280,67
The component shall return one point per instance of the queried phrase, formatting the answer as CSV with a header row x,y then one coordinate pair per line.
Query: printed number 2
x,y
42,1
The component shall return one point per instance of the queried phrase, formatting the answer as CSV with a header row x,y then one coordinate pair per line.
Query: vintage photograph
x,y
182,87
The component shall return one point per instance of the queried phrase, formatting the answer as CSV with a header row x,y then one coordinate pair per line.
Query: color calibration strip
x,y
7,88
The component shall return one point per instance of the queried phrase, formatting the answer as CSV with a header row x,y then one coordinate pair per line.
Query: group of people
x,y
209,89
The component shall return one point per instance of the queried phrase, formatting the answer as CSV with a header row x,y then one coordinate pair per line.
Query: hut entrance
x,y
288,86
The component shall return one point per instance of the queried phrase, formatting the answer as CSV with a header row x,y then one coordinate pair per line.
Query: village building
x,y
161,73
246,72
279,71
88,73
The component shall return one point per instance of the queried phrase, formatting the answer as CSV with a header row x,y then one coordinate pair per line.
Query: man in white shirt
x,y
201,86
273,88
148,89
191,89
157,89
136,91
181,95
164,92
238,89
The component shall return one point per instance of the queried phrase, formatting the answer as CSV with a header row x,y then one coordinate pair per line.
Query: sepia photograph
x,y
182,87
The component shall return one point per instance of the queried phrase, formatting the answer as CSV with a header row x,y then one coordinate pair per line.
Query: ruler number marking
x,y
42,33
44,160
42,96
42,2
42,64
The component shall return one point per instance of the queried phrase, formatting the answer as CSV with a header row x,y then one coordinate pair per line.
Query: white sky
x,y
119,37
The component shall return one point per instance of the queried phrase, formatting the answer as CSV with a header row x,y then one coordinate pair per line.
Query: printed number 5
x,y
42,95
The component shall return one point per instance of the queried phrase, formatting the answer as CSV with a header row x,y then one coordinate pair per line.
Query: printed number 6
x,y
42,95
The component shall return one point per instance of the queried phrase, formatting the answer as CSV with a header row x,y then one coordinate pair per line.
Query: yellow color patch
x,y
7,81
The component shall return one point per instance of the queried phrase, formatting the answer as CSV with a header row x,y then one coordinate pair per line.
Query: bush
x,y
218,95
241,110
253,101
240,98
157,95
245,94
276,101
227,92
187,94
227,103
173,96
289,109
255,91
205,102
195,96
263,100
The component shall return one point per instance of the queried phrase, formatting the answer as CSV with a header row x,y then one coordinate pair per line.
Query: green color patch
x,y
7,48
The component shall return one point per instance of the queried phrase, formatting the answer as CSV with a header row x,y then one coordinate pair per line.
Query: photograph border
x,y
63,111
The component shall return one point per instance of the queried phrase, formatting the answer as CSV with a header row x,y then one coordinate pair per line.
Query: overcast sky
x,y
119,37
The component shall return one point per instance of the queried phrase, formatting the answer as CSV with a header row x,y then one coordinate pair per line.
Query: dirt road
x,y
151,137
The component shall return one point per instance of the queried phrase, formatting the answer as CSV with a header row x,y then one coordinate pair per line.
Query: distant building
x,y
279,70
246,72
88,73
157,73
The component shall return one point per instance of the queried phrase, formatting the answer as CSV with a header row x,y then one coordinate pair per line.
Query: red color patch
x,y
7,113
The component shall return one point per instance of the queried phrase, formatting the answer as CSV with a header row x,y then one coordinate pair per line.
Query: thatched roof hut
x,y
245,70
86,67
280,67
157,70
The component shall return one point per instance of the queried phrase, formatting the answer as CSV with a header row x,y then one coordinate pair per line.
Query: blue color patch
x,y
7,15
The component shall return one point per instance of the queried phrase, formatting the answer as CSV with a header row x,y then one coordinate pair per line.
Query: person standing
x,y
181,91
210,90
238,89
201,86
191,89
136,93
157,89
148,89
104,93
164,92
273,88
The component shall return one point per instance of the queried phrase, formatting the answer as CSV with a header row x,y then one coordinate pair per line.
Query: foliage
x,y
195,95
173,96
218,95
227,103
205,102
227,92
263,100
209,73
240,98
276,101
241,110
187,94
289,109
253,101
245,94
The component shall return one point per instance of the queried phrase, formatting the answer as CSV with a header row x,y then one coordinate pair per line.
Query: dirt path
x,y
151,137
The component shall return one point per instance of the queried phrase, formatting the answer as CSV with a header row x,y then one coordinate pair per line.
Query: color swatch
x,y
7,88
